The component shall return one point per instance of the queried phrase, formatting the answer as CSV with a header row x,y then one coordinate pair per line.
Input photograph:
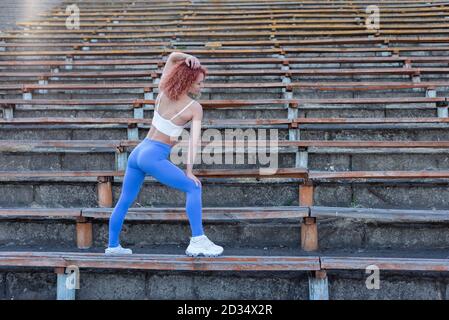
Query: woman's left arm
x,y
195,136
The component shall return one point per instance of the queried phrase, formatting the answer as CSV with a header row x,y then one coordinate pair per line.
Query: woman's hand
x,y
193,62
192,176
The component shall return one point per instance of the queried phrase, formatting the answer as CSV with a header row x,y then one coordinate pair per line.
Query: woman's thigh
x,y
170,175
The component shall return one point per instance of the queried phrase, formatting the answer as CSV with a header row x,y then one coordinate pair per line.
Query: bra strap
x,y
182,109
159,100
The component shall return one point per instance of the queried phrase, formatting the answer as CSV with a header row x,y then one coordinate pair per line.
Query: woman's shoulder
x,y
197,110
197,106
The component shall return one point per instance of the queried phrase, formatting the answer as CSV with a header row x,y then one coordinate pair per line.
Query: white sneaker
x,y
202,245
118,250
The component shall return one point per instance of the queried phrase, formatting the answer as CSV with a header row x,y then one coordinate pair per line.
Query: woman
x,y
182,76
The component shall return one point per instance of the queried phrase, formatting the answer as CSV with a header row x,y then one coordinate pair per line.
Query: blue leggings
x,y
151,157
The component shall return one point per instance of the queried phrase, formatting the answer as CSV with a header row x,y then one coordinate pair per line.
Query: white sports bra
x,y
166,126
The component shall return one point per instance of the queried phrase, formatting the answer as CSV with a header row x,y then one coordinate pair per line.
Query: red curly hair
x,y
179,79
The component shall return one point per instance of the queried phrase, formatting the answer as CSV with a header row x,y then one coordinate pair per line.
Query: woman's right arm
x,y
175,57
178,56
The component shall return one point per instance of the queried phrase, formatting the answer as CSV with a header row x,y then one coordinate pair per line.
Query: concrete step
x,y
82,192
388,132
346,159
275,112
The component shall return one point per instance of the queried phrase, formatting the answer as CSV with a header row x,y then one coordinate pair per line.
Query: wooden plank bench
x,y
219,103
409,60
280,7
309,228
209,213
8,106
264,4
82,74
79,146
158,262
381,215
146,88
67,265
319,283
108,145
105,178
89,22
292,123
132,125
401,264
83,217
310,146
263,12
40,213
86,120
328,86
308,178
222,51
210,16
412,71
337,23
121,148
143,34
242,27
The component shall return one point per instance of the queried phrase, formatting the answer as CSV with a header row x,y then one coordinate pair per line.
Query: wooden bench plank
x,y
158,262
164,213
208,8
241,72
82,74
366,175
280,6
235,263
370,120
231,28
283,146
157,51
209,213
381,215
236,213
300,173
71,34
253,60
14,213
106,22
59,145
225,122
112,145
228,122
400,264
211,173
218,25
336,85
340,12
218,103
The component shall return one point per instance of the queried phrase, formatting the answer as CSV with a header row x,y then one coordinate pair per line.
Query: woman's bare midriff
x,y
155,134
